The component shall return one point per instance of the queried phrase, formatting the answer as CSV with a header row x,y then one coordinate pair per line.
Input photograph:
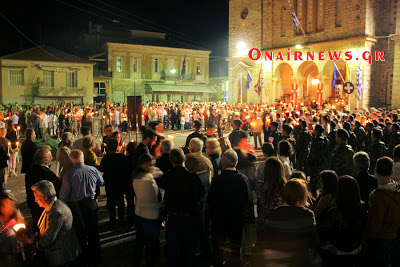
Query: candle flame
x,y
19,226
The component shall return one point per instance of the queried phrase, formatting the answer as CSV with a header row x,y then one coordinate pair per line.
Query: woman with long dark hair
x,y
147,209
343,227
269,192
328,191
285,151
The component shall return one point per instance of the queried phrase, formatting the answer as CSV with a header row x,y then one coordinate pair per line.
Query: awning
x,y
182,88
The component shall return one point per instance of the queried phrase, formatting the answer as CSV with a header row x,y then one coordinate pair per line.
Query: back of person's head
x,y
67,136
361,160
274,177
396,153
195,145
88,142
85,130
46,188
145,158
76,156
166,146
329,180
268,149
112,145
295,192
42,155
225,144
285,148
298,175
348,195
148,133
130,147
177,156
229,159
384,166
213,147
28,133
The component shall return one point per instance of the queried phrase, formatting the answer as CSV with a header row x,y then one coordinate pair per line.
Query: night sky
x,y
58,23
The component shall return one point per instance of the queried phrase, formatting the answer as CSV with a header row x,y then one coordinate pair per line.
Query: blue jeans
x,y
182,234
147,235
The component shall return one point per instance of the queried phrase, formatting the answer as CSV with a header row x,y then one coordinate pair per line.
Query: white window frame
x,y
119,63
48,79
72,79
16,77
135,64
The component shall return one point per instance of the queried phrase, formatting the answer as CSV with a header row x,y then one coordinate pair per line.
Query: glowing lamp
x,y
19,226
173,71
298,46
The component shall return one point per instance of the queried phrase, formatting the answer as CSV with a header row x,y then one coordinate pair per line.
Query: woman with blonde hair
x,y
225,144
269,192
213,150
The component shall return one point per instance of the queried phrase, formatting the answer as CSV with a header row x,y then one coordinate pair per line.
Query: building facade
x,y
43,75
359,27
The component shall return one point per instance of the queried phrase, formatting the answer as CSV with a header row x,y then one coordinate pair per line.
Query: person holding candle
x,y
13,139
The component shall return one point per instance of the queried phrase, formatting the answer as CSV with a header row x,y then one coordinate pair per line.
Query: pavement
x,y
117,242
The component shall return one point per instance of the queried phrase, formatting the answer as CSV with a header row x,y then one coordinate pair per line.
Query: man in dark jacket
x,y
197,127
366,181
149,140
164,162
227,200
38,172
28,149
183,193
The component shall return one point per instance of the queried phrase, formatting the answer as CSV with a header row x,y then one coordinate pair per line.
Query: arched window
x,y
283,20
338,13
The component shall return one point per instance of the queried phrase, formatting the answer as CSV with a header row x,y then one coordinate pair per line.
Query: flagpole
x,y
301,27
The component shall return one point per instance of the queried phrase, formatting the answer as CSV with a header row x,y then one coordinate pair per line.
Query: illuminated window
x,y
72,81
135,64
48,78
156,65
120,64
198,68
16,77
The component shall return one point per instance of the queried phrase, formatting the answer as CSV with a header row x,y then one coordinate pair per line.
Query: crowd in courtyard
x,y
326,192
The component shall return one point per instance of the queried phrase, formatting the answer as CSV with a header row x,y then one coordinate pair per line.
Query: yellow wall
x,y
34,71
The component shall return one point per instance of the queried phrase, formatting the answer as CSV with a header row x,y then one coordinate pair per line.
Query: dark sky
x,y
57,23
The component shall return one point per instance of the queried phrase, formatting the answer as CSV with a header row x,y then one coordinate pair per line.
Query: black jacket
x,y
183,191
28,149
367,183
228,198
164,163
116,171
139,150
36,174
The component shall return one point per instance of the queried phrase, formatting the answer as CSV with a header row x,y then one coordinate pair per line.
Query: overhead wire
x,y
29,39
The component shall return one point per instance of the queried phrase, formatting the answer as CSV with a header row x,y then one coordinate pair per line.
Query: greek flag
x,y
295,19
359,81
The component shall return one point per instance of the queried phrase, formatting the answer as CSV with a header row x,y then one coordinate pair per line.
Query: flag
x,y
336,74
359,81
249,79
183,66
260,83
295,19
346,78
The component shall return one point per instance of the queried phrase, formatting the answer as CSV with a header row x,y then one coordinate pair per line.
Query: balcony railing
x,y
102,73
58,92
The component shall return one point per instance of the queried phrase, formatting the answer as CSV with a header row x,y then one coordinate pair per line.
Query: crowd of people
x,y
326,192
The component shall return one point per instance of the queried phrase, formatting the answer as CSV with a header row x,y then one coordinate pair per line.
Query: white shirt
x,y
14,119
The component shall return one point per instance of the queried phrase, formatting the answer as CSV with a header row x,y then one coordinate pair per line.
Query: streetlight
x,y
173,71
298,46
242,51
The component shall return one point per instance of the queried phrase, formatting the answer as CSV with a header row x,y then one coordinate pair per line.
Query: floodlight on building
x,y
315,81
298,46
241,47
173,71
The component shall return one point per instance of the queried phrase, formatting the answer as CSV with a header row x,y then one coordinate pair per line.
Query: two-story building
x,y
361,27
157,73
146,63
43,75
